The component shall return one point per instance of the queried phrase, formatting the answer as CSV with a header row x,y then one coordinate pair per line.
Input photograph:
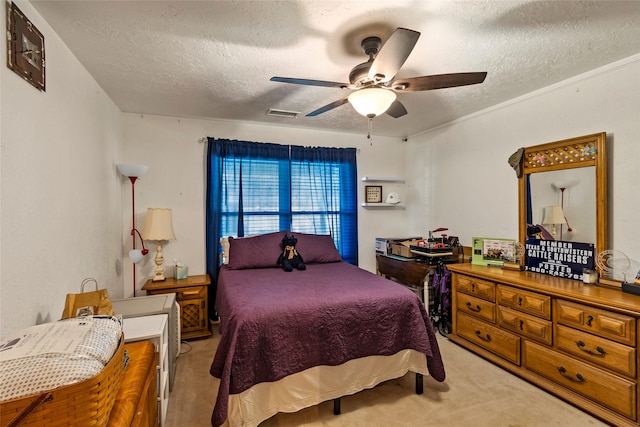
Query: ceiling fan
x,y
373,82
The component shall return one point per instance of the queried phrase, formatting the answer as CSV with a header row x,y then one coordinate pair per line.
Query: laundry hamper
x,y
85,403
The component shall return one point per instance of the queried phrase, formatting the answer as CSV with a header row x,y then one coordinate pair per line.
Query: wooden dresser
x,y
578,342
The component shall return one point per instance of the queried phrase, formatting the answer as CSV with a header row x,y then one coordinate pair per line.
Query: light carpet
x,y
475,393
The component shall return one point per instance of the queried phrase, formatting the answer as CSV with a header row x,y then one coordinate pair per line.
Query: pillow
x,y
317,248
255,252
224,242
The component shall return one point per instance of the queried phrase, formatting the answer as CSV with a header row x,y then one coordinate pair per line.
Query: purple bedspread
x,y
275,323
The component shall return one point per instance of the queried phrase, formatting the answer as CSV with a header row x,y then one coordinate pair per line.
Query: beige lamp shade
x,y
158,225
553,215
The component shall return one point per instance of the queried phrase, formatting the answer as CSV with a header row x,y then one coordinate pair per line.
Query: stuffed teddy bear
x,y
290,258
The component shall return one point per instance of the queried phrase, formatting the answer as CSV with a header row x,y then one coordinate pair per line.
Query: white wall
x,y
61,217
466,184
176,180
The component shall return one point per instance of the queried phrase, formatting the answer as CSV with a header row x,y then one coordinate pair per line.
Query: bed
x,y
291,340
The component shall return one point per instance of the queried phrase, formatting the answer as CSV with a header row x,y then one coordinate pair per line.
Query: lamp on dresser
x,y
554,215
133,172
158,226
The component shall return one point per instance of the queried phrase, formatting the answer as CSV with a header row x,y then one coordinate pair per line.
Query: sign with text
x,y
559,258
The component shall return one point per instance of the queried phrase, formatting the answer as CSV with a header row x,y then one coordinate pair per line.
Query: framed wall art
x,y
373,193
25,48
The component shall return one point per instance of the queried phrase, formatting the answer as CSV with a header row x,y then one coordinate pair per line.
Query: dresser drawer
x,y
192,292
476,306
477,287
528,302
604,323
606,353
609,390
502,343
524,324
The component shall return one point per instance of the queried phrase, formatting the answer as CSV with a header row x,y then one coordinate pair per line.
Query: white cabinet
x,y
156,304
155,329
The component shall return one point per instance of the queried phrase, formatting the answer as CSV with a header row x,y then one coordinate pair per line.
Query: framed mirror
x,y
572,175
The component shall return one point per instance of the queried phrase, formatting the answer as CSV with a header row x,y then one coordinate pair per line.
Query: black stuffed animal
x,y
290,258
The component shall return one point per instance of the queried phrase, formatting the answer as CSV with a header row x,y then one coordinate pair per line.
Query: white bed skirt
x,y
319,384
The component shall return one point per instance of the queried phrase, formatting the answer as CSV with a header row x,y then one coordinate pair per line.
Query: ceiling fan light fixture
x,y
372,102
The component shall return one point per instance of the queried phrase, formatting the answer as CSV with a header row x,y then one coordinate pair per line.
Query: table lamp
x,y
553,215
158,226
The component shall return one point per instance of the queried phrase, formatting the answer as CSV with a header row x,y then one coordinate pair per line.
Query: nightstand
x,y
192,296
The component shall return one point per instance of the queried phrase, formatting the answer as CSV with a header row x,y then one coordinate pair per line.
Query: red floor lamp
x,y
133,172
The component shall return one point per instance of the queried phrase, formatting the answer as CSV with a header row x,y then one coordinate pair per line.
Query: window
x,y
255,188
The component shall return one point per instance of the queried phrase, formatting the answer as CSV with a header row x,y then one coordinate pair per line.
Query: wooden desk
x,y
409,272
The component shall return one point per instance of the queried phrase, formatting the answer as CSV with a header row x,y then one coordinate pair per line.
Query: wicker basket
x,y
87,403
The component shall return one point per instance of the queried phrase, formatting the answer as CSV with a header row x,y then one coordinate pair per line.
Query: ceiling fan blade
x,y
328,107
308,82
393,53
396,109
437,81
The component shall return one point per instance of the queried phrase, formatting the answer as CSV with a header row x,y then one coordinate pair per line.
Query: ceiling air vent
x,y
283,113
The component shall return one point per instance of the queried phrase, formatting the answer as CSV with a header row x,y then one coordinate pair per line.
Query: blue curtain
x,y
255,188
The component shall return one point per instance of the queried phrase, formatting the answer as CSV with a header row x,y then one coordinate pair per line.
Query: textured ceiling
x,y
214,59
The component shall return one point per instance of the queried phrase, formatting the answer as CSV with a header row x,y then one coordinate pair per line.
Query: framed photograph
x,y
493,251
25,48
373,193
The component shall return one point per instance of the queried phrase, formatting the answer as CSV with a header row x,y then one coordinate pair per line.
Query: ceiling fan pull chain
x,y
369,130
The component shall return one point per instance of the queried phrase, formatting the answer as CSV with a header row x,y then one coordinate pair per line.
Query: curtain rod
x,y
205,139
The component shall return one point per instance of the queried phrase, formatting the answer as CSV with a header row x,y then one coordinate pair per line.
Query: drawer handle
x,y
187,293
477,308
589,320
600,351
473,287
486,338
522,325
578,379
519,300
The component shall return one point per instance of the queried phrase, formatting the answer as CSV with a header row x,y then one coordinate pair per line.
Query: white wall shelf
x,y
382,205
382,179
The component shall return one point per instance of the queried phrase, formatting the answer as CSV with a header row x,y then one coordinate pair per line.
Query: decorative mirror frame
x,y
579,152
